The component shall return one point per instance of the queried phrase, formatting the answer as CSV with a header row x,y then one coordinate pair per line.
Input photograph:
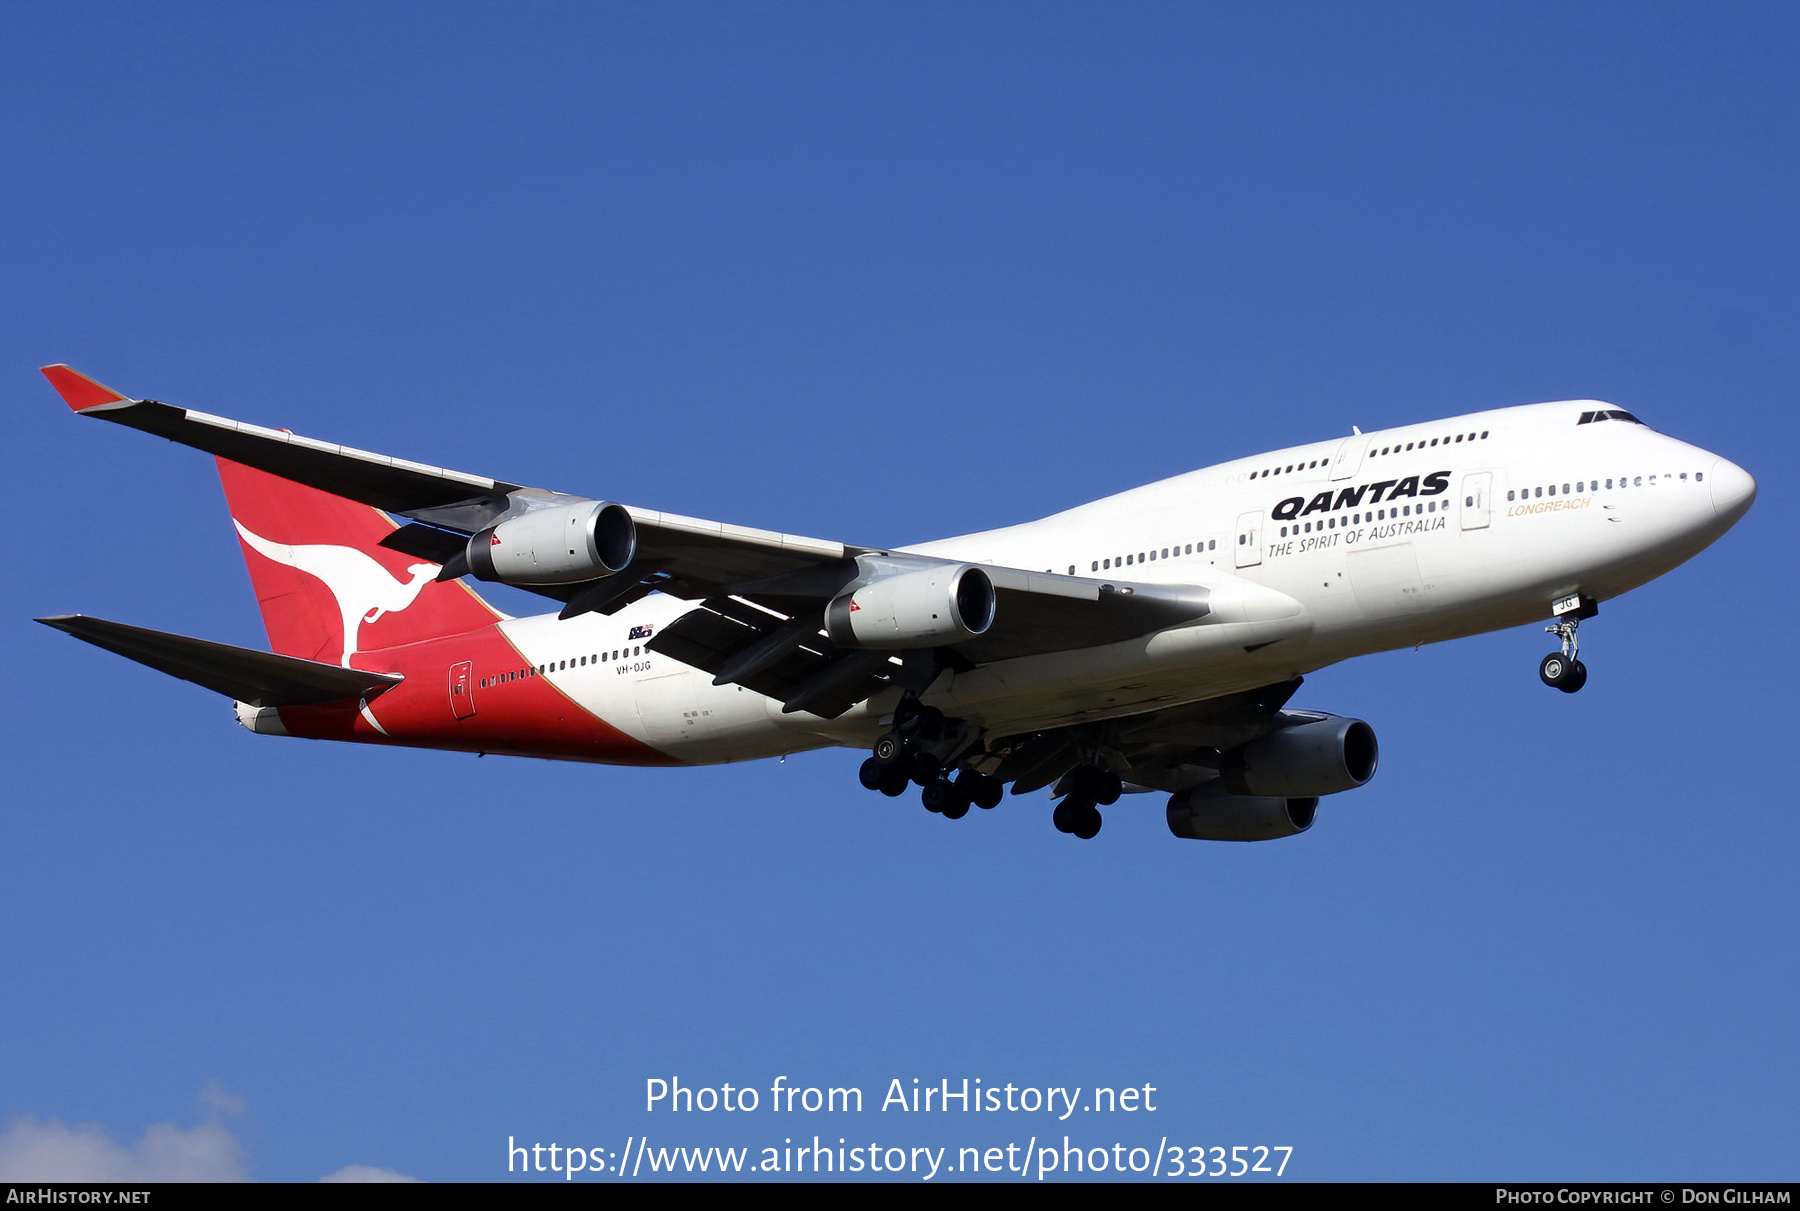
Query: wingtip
x,y
78,390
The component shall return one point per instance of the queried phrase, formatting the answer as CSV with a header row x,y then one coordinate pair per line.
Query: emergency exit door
x,y
1249,539
462,689
1476,509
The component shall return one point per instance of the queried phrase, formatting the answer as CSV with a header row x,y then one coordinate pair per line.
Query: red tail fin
x,y
327,588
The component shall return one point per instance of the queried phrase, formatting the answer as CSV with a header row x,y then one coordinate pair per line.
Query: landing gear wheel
x,y
925,768
872,774
1087,825
1576,679
895,784
1071,814
888,749
1554,670
984,790
945,797
1101,784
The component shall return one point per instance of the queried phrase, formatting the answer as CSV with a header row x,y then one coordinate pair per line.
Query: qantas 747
x,y
1149,641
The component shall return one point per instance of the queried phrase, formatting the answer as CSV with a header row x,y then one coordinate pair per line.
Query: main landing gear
x,y
925,750
905,756
1078,812
1563,670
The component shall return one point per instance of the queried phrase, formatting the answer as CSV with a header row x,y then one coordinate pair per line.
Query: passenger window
x,y
1096,566
1565,489
1638,482
1509,494
1699,476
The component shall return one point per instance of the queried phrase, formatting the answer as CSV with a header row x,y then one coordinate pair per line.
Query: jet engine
x,y
930,607
565,544
1326,755
1209,813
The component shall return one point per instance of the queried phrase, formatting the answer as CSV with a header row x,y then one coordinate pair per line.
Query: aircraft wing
x,y
760,594
691,556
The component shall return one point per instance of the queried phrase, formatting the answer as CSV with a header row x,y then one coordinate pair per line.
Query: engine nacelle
x,y
566,544
933,606
1323,757
1209,813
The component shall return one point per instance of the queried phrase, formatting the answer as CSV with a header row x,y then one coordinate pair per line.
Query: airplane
x,y
1146,642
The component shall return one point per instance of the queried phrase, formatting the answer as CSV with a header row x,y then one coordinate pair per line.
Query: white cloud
x,y
31,1151
366,1173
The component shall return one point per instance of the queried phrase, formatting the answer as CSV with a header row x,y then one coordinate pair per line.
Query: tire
x,y
895,785
872,774
985,790
925,768
1577,677
1072,812
888,749
1554,670
958,807
1091,780
938,796
1087,825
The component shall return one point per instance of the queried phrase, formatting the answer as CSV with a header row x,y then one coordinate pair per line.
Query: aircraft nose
x,y
1733,491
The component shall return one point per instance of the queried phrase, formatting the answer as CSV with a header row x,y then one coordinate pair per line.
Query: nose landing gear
x,y
1563,670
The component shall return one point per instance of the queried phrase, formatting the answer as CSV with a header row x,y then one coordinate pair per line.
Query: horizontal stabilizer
x,y
258,678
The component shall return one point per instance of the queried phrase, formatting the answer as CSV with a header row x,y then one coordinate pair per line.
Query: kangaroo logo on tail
x,y
363,589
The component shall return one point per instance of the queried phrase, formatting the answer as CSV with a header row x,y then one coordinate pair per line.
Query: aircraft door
x,y
1249,539
462,689
1477,510
1348,459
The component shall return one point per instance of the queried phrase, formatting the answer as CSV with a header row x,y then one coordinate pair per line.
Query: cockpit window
x,y
1588,418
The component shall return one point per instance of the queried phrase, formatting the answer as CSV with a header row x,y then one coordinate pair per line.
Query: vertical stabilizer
x,y
327,588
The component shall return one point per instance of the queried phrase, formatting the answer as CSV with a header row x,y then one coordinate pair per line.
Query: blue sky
x,y
883,273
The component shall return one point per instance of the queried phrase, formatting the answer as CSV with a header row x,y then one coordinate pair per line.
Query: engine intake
x,y
566,544
1209,813
1307,760
927,608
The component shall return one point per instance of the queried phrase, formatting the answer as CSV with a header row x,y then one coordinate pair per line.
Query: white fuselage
x,y
1311,555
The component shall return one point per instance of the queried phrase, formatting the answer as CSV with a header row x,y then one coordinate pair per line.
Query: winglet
x,y
78,390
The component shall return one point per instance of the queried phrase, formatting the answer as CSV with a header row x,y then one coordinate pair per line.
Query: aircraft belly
x,y
1183,664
